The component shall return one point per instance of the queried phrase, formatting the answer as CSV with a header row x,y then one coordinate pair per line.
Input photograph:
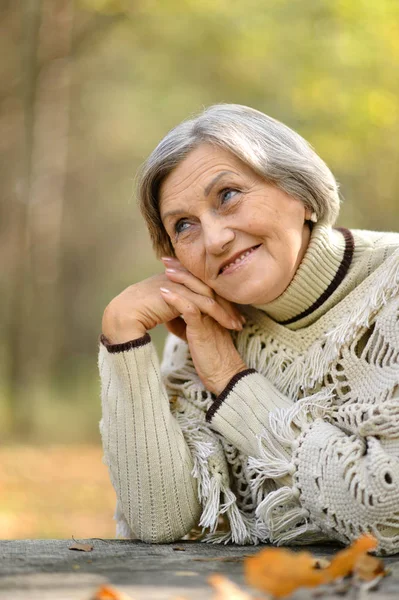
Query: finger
x,y
190,281
189,311
227,305
204,304
181,275
172,261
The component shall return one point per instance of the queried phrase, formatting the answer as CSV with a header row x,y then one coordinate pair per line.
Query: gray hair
x,y
273,150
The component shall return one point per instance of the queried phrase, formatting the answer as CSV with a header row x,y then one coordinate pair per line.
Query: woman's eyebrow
x,y
210,185
171,213
207,191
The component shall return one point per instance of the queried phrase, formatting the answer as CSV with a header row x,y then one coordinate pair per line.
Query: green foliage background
x,y
329,69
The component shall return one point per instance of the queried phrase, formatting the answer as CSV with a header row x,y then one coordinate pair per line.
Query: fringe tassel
x,y
273,462
239,532
384,286
305,534
307,369
239,529
218,538
196,434
281,512
212,507
252,531
216,497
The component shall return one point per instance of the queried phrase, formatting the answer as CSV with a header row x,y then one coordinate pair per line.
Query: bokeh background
x,y
87,88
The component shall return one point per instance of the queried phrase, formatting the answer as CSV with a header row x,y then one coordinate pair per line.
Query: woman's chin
x,y
246,297
252,288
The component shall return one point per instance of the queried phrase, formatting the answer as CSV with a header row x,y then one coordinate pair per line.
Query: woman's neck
x,y
322,270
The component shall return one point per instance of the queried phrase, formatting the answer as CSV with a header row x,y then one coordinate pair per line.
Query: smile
x,y
238,261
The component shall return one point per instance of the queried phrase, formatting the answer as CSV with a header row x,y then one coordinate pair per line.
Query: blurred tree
x,y
32,331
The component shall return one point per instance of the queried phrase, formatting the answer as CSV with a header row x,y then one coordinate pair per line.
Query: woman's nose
x,y
217,236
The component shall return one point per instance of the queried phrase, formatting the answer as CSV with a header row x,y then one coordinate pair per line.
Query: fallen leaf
x,y
320,563
179,549
280,572
368,568
344,561
226,589
81,547
105,592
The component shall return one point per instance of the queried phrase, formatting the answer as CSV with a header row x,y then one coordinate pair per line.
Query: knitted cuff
x,y
116,348
223,395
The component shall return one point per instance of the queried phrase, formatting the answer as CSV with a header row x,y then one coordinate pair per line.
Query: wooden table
x,y
48,570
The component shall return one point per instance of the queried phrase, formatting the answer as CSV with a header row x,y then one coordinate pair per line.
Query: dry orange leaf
x,y
226,589
344,561
279,571
320,563
368,568
105,592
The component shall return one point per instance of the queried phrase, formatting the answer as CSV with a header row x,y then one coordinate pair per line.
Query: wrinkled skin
x,y
214,208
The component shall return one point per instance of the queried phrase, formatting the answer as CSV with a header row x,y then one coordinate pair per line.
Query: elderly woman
x,y
277,402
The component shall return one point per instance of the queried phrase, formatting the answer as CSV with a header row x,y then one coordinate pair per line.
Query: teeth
x,y
237,260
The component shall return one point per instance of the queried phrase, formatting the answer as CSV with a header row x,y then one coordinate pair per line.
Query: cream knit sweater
x,y
303,445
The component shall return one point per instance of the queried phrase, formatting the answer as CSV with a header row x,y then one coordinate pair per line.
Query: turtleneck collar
x,y
323,267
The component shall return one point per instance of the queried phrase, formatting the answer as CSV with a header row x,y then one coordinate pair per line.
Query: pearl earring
x,y
313,217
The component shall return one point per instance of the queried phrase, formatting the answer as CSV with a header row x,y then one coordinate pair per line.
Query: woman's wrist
x,y
122,333
125,337
219,386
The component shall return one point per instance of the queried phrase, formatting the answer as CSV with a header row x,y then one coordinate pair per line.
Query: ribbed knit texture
x,y
295,447
319,266
150,463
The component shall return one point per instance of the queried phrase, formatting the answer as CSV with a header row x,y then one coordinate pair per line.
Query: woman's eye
x,y
180,226
227,194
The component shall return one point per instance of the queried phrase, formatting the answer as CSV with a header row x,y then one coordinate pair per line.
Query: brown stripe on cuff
x,y
116,348
219,400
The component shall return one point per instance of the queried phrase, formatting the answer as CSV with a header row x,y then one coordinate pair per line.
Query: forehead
x,y
197,170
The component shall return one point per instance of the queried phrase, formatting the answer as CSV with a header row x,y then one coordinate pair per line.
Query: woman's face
x,y
241,236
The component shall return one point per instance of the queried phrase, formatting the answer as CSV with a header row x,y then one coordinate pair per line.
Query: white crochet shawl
x,y
339,368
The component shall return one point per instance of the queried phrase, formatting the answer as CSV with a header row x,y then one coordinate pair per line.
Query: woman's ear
x,y
310,215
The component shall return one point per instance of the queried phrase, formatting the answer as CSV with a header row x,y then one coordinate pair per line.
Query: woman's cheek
x,y
190,262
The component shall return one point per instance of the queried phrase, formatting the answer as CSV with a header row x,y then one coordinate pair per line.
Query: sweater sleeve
x,y
343,462
241,412
149,461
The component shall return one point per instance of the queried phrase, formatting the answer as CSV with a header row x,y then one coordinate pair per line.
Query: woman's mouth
x,y
243,259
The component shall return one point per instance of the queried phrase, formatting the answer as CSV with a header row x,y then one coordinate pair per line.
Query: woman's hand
x,y
141,307
215,357
189,309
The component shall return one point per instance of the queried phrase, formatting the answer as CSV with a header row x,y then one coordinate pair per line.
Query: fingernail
x,y
237,325
167,259
165,290
169,270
